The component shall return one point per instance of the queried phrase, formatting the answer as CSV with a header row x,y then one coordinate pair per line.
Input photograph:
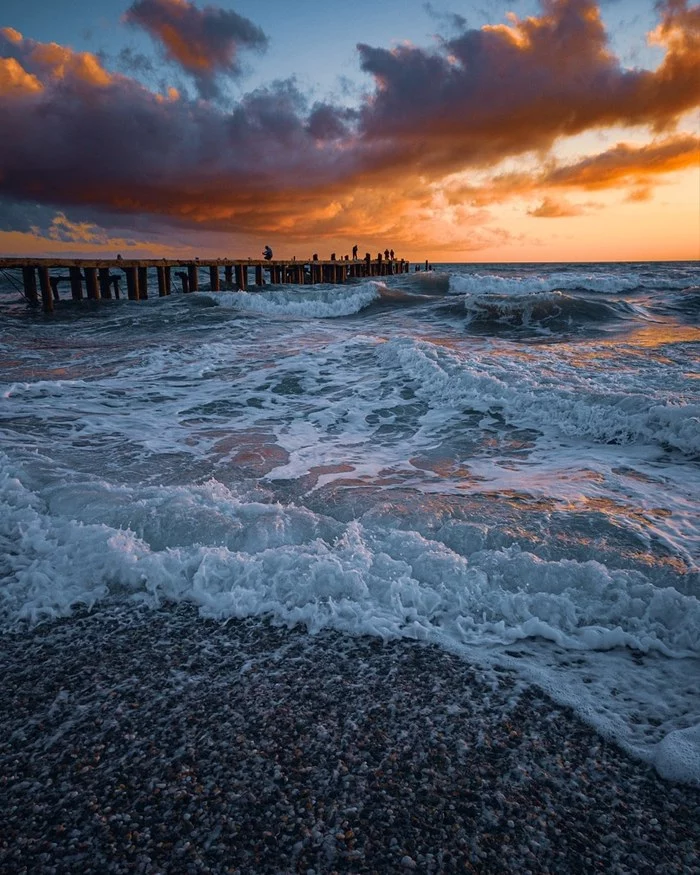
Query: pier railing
x,y
100,278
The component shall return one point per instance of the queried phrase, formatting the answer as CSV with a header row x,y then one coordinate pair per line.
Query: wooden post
x,y
214,277
30,291
105,284
259,279
132,283
193,277
143,283
76,283
228,275
93,290
45,286
241,277
163,274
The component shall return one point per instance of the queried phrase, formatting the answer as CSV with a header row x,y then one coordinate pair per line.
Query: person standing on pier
x,y
267,253
354,252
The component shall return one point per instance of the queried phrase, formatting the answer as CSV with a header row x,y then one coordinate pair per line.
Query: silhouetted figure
x,y
354,252
314,257
267,253
386,254
332,256
391,254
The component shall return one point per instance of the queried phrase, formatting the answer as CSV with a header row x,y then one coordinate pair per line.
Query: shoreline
x,y
157,741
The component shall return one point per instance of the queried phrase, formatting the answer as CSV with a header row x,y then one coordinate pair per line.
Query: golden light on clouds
x,y
527,140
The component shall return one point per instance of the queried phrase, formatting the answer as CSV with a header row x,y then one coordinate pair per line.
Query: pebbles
x,y
159,742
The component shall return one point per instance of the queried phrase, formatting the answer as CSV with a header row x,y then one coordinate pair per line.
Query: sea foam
x,y
316,303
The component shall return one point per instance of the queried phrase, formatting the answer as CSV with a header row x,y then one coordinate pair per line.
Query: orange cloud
x,y
15,81
555,209
44,63
276,164
622,165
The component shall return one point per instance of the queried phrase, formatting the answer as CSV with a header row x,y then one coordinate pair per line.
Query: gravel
x,y
159,742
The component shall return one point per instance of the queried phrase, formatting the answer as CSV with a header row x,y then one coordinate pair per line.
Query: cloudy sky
x,y
464,130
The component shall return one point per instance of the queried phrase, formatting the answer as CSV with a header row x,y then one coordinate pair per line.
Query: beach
x,y
155,741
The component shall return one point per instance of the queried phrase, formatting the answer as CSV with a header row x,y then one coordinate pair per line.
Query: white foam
x,y
484,283
316,303
571,404
677,755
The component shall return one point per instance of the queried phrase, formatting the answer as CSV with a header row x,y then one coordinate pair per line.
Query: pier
x,y
95,279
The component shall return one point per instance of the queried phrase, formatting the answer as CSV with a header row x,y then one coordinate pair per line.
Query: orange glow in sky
x,y
524,140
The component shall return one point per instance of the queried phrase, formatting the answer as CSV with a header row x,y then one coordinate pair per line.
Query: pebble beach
x,y
155,741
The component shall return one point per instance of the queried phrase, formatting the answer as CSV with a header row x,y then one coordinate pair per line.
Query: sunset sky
x,y
463,130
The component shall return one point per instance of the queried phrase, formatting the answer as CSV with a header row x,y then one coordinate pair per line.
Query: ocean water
x,y
503,460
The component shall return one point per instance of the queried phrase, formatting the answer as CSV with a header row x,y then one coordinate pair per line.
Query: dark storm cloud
x,y
75,134
504,90
204,42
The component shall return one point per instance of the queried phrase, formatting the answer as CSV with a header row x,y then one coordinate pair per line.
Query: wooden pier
x,y
99,278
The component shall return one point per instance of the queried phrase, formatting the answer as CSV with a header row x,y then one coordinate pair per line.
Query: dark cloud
x,y
327,122
204,42
15,216
449,19
505,90
135,63
78,136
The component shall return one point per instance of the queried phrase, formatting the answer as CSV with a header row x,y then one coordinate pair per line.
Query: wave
x,y
543,309
685,303
81,543
576,411
316,303
610,283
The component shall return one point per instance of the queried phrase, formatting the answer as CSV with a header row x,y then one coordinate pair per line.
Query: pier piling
x,y
46,290
193,277
76,283
132,283
105,284
91,287
30,289
143,283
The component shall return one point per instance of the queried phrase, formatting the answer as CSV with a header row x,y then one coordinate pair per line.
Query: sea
x,y
502,460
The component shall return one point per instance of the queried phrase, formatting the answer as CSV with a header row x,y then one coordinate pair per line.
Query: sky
x,y
453,130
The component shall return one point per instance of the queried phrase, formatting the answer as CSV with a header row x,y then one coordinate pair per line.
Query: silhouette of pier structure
x,y
100,278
